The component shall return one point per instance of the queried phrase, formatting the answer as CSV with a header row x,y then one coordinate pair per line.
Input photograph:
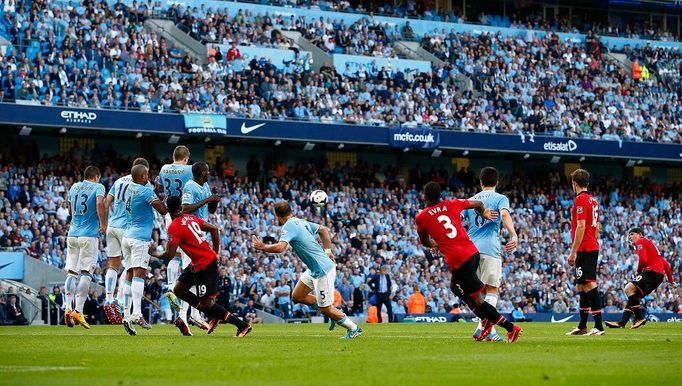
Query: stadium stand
x,y
101,56
34,219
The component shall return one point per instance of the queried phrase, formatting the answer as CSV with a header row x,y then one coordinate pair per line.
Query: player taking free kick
x,y
440,226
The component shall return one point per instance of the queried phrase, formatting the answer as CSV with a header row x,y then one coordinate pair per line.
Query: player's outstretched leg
x,y
340,318
488,315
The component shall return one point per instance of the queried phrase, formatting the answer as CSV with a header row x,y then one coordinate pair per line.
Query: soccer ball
x,y
319,198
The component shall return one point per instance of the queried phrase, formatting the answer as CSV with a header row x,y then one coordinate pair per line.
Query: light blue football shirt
x,y
83,201
300,234
140,214
486,233
193,193
174,178
118,216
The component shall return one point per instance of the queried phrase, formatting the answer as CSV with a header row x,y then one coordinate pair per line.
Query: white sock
x,y
196,314
120,294
110,284
492,300
184,307
347,323
127,294
137,289
83,290
70,290
173,271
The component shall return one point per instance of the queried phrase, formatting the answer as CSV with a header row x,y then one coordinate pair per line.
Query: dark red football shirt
x,y
443,222
185,232
650,259
585,207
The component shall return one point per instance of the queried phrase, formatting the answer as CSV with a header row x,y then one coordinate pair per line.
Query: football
x,y
319,198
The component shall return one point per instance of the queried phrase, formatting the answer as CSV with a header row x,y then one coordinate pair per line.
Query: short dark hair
x,y
91,172
581,177
198,168
636,230
173,204
488,176
137,170
282,209
180,152
141,161
432,191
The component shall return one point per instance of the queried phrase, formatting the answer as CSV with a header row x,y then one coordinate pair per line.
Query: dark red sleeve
x,y
581,208
668,271
173,234
642,253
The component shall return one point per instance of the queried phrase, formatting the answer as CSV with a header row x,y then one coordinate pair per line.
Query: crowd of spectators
x,y
371,214
533,85
93,55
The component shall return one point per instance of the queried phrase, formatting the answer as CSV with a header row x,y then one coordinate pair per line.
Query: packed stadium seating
x,y
101,56
536,276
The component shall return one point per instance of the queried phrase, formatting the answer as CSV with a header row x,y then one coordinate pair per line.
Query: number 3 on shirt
x,y
447,224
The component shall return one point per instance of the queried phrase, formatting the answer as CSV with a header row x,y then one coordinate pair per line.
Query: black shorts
x,y
647,282
205,281
586,267
465,280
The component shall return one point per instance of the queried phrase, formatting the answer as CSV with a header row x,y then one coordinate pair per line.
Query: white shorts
x,y
490,270
81,254
186,261
322,287
136,253
114,241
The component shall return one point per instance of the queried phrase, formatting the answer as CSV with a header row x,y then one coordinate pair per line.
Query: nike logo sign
x,y
248,129
566,319
5,265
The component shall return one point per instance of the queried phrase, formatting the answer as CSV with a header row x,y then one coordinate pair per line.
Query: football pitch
x,y
308,354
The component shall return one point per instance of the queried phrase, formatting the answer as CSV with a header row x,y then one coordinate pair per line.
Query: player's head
x,y
635,233
92,173
140,173
174,205
282,211
141,161
580,179
200,171
181,155
432,193
488,177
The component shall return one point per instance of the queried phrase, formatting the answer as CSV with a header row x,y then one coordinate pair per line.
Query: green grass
x,y
397,354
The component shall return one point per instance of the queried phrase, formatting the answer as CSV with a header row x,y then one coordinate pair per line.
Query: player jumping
x,y
440,226
86,204
321,273
585,253
174,177
650,270
186,232
485,234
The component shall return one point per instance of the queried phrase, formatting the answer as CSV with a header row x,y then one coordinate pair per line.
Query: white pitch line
x,y
24,369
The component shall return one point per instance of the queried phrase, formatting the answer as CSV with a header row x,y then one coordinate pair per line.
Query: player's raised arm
x,y
215,235
191,208
259,245
213,204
